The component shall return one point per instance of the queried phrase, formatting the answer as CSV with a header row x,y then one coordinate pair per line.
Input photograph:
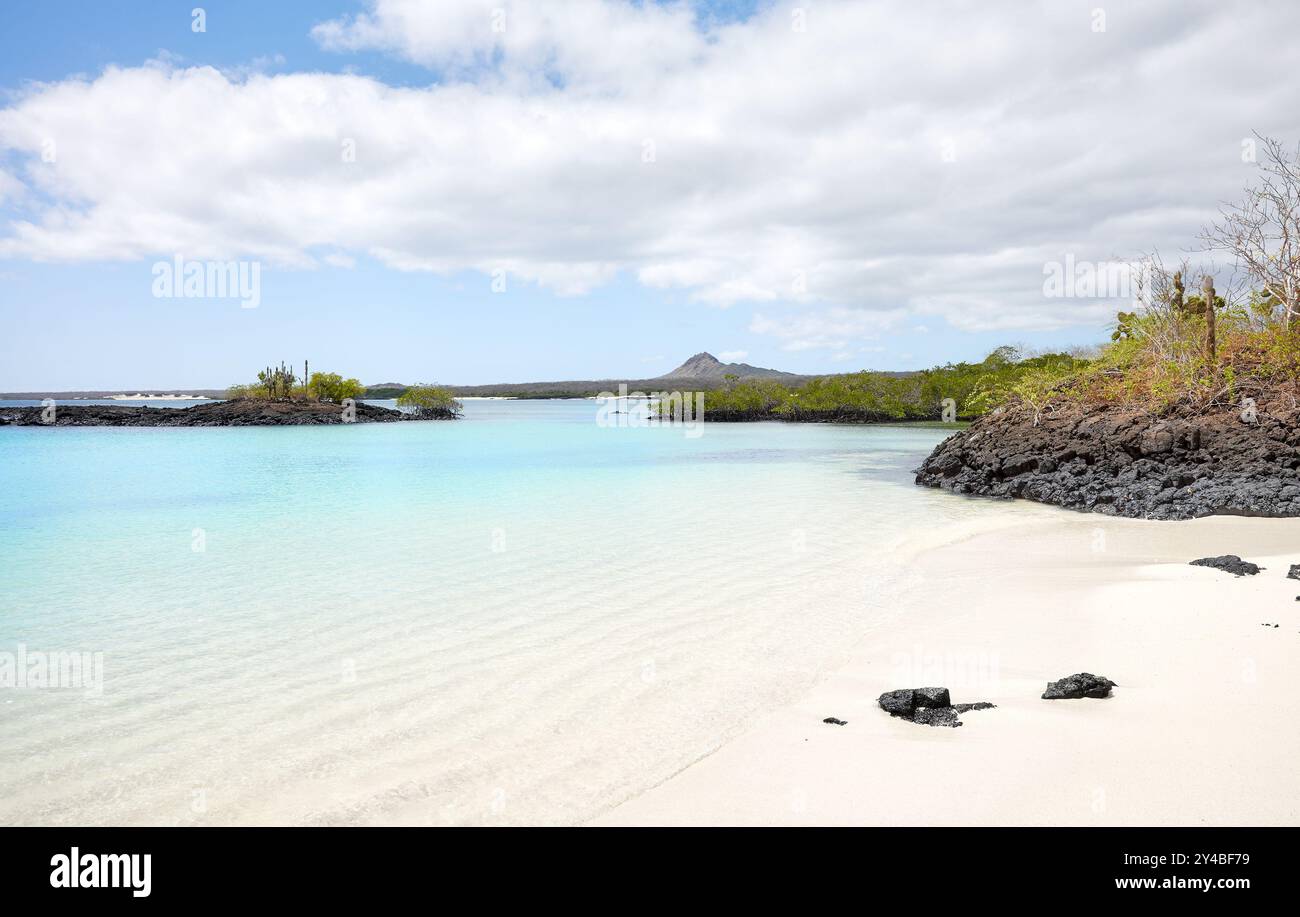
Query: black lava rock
x,y
936,716
898,703
1122,460
1228,563
834,722
980,705
239,412
1081,685
1294,572
926,706
931,697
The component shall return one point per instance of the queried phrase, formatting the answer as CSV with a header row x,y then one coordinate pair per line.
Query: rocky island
x,y
279,398
240,413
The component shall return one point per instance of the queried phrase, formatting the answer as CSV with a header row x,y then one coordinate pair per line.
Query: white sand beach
x,y
1201,730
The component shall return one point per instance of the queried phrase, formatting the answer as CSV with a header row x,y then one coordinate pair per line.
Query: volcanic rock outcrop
x,y
1125,462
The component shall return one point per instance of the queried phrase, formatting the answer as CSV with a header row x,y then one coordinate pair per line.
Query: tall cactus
x,y
1210,344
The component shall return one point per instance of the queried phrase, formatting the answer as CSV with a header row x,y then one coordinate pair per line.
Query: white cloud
x,y
826,329
732,356
10,187
591,43
805,171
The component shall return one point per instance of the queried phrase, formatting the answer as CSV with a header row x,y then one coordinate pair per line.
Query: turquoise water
x,y
520,617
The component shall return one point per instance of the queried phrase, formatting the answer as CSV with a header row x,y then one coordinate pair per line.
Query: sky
x,y
472,192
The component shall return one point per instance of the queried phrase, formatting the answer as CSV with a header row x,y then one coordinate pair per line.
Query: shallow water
x,y
520,617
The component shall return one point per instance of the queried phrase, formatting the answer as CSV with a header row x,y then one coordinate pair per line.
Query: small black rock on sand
x,y
1228,563
927,706
1083,684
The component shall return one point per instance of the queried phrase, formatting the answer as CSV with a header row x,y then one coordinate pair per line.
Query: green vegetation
x,y
280,384
973,388
430,401
272,383
333,387
1176,353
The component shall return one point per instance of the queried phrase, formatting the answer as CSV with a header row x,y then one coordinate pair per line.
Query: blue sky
x,y
894,289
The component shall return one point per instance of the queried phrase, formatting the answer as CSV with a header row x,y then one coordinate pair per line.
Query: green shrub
x,y
430,401
333,387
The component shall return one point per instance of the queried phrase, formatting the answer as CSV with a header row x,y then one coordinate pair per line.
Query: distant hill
x,y
702,372
386,389
707,366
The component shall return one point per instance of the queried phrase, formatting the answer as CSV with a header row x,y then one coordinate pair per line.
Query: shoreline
x,y
995,610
